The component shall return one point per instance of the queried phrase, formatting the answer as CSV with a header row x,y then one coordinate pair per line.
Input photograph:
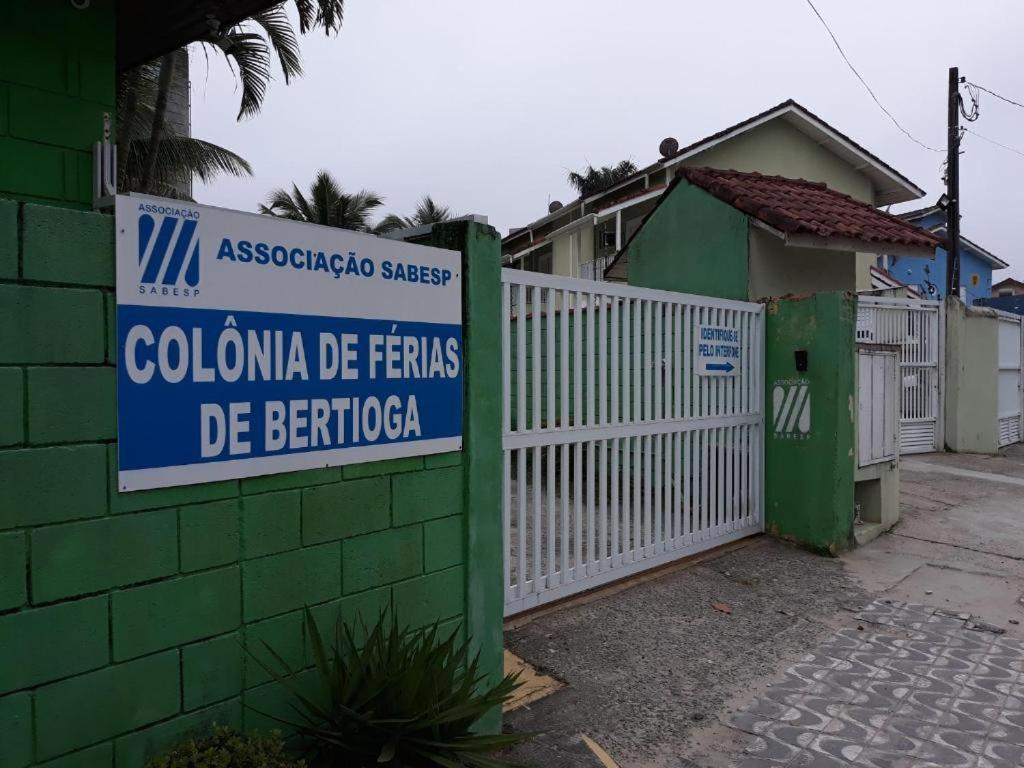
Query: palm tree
x,y
592,180
151,158
427,212
326,204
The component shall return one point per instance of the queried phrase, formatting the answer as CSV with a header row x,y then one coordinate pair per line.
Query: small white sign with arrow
x,y
719,351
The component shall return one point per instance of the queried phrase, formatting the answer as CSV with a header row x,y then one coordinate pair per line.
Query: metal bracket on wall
x,y
104,170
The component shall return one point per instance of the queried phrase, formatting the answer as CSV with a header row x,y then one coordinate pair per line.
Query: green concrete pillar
x,y
57,79
809,420
481,453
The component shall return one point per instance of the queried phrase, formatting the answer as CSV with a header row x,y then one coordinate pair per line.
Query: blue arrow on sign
x,y
727,367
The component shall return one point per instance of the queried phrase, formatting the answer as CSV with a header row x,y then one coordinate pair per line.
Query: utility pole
x,y
953,186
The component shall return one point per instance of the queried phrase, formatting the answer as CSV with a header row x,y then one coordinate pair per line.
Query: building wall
x,y
692,243
56,83
1011,288
777,269
975,276
777,148
862,278
124,616
917,270
971,394
562,255
809,477
975,272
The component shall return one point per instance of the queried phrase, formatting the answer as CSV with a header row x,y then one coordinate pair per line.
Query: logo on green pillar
x,y
791,409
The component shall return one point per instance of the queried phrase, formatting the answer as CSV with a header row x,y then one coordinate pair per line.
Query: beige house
x,y
581,238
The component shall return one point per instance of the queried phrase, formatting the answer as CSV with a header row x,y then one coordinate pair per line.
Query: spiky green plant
x,y
401,698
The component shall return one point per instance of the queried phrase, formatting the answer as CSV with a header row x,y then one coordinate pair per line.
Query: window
x,y
538,261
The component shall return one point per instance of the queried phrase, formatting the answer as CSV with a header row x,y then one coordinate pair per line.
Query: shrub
x,y
225,748
401,698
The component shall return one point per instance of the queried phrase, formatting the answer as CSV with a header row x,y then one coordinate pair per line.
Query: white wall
x,y
777,269
972,361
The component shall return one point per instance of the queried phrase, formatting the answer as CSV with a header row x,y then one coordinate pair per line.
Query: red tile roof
x,y
799,207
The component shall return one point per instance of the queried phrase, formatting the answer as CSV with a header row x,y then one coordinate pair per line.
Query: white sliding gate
x,y
918,327
1011,353
618,455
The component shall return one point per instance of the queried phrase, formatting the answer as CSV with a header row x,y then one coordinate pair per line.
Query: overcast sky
x,y
486,104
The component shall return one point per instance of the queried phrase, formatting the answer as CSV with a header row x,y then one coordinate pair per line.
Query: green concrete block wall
x,y
57,81
809,479
124,617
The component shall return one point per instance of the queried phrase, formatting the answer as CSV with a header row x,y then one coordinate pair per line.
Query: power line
x,y
994,142
997,95
853,69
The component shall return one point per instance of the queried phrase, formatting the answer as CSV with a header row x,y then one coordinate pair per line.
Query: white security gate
x,y
917,326
628,441
1010,405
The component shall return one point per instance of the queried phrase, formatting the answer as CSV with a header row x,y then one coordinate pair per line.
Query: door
x,y
877,417
1010,403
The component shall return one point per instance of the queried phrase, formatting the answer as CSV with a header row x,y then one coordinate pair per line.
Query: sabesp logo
x,y
168,250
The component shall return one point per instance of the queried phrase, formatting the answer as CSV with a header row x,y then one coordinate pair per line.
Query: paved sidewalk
x,y
915,687
648,665
810,665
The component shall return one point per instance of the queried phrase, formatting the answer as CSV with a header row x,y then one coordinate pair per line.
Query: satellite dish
x,y
553,206
668,147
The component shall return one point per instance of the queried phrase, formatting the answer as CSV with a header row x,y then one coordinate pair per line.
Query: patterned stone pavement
x,y
915,687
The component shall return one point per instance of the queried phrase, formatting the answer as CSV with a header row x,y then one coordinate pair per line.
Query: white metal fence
x,y
1011,379
618,456
917,326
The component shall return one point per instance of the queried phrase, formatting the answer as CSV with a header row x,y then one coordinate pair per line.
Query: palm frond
x,y
203,158
429,212
390,223
302,205
278,28
328,14
592,180
354,210
248,54
327,203
325,193
178,159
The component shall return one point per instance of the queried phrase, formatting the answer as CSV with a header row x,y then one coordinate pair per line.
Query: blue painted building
x,y
929,275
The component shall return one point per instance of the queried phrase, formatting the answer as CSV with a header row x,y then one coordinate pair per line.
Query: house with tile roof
x,y
1008,287
749,235
929,275
582,238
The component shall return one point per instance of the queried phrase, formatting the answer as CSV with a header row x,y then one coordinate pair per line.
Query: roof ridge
x,y
767,176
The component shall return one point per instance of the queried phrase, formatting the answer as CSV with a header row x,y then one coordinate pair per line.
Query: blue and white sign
x,y
718,350
250,345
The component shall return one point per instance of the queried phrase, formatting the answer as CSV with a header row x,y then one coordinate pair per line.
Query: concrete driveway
x,y
901,654
960,541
